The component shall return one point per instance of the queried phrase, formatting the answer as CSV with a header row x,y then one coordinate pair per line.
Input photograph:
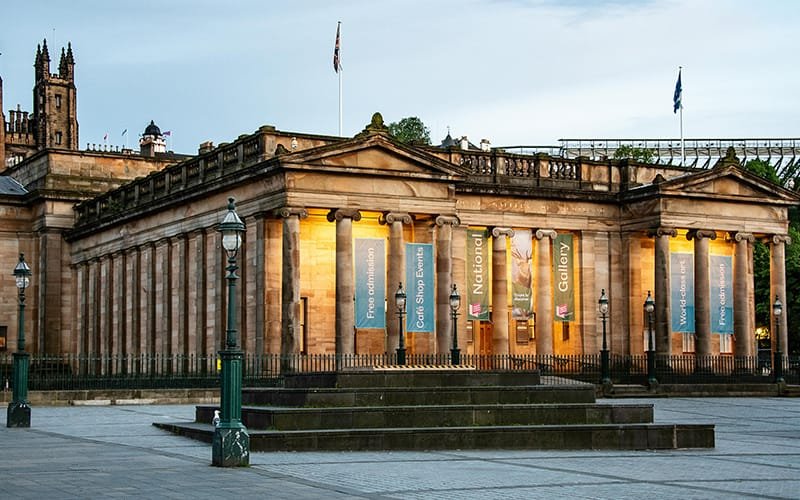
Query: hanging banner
x,y
681,284
521,276
370,268
721,280
477,275
564,299
420,303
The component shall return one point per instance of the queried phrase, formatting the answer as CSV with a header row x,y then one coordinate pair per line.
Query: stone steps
x,y
261,418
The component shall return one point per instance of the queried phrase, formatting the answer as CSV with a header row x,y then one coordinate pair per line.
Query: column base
x,y
230,446
19,414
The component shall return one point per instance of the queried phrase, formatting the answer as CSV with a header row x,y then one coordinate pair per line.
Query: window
x,y
58,101
3,333
470,333
58,138
688,342
564,331
725,344
304,325
522,327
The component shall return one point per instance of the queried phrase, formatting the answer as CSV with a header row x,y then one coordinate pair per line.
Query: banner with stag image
x,y
564,280
521,274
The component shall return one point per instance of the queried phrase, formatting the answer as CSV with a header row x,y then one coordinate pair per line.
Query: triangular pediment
x,y
373,154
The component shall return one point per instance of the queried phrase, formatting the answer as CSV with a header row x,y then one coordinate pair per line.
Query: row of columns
x,y
742,287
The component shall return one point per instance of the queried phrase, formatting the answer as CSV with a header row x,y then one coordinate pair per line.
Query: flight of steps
x,y
426,409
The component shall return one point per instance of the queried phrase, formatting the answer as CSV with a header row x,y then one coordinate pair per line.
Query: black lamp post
x,y
455,303
777,311
400,302
605,369
19,409
649,307
231,443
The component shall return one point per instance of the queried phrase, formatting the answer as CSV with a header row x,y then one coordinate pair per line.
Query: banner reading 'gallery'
x,y
370,268
419,287
564,286
477,275
521,280
721,294
681,284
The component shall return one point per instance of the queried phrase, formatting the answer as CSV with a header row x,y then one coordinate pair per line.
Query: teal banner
x,y
420,301
681,270
370,268
721,294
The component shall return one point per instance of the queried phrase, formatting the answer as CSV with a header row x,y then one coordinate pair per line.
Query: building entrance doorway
x,y
484,350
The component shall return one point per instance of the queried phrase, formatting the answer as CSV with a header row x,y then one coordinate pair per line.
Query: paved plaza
x,y
115,452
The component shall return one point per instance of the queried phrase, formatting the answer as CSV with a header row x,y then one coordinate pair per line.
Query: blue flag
x,y
676,99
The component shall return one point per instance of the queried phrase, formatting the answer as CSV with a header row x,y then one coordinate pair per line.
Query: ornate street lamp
x,y
605,368
649,307
777,311
455,303
400,302
19,410
231,443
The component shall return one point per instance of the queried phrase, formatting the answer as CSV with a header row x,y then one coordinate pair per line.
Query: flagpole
x,y
340,82
683,146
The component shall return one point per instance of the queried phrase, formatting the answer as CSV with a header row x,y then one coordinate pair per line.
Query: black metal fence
x,y
81,372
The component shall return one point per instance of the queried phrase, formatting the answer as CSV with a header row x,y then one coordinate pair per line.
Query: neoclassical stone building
x,y
127,259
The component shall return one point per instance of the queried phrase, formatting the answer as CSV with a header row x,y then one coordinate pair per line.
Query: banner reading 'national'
x,y
477,275
370,270
721,294
563,277
419,287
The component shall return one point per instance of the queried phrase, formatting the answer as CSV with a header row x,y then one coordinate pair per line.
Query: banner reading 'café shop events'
x,y
370,270
564,284
420,304
521,276
721,284
681,270
477,275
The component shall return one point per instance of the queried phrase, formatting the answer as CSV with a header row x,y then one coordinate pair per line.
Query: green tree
x,y
761,261
410,130
643,155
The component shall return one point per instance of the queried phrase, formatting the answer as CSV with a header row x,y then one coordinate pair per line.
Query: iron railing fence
x,y
82,372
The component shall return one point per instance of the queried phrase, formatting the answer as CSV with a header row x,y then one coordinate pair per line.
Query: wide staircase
x,y
429,409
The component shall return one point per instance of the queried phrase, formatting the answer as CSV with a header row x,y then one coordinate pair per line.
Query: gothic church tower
x,y
54,101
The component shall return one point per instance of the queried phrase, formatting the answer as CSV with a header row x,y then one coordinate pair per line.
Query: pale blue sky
x,y
512,71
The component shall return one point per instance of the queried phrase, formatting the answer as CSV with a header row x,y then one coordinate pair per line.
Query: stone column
x,y
290,279
345,285
51,247
742,312
661,290
500,290
702,300
444,281
544,291
777,278
395,272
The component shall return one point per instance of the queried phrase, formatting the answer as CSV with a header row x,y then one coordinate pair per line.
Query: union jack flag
x,y
337,65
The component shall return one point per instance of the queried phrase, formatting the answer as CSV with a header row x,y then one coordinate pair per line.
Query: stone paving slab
x,y
115,452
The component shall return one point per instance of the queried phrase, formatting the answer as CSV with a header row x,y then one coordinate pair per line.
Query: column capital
x,y
447,220
502,231
545,233
776,239
699,234
392,217
339,214
286,212
662,231
738,236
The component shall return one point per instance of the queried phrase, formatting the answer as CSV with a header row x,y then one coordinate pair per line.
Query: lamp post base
x,y
401,356
455,356
230,446
19,414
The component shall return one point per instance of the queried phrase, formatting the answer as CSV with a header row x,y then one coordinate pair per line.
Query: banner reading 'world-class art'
x,y
563,279
477,275
521,250
682,286
370,268
721,294
419,287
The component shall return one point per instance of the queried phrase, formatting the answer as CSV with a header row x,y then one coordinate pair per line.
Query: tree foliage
x,y
410,130
643,155
761,266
